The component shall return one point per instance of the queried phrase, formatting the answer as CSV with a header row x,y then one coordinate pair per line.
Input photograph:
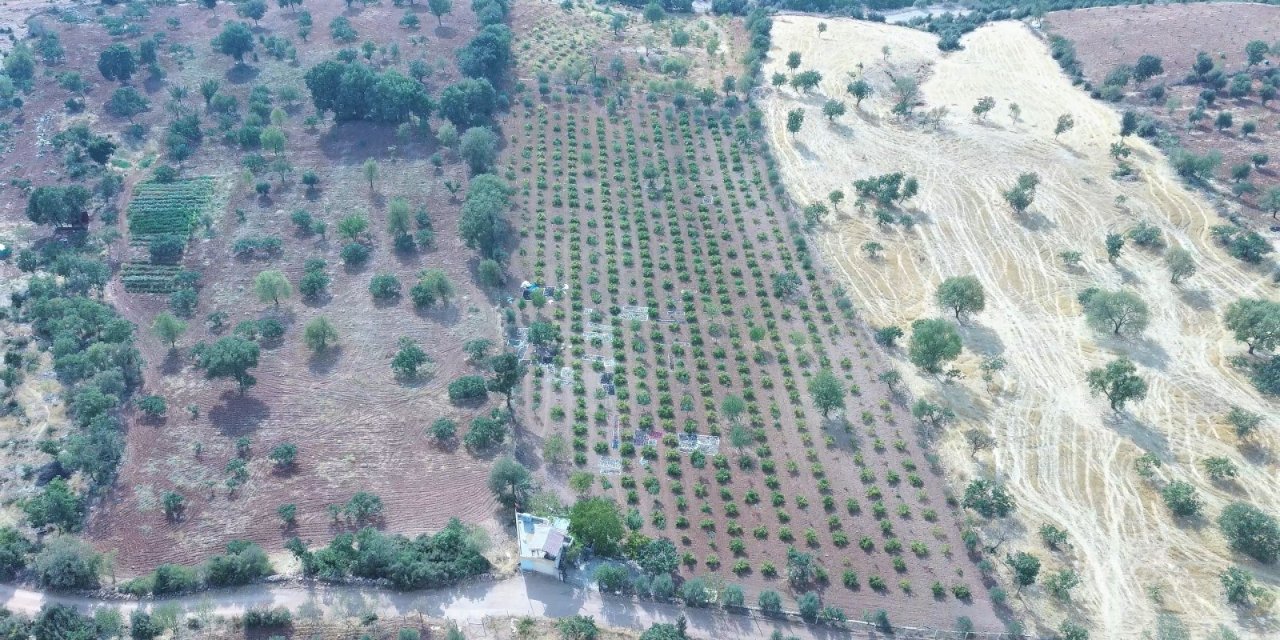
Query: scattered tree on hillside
x,y
860,90
1118,381
510,482
983,107
319,334
989,498
1147,67
827,392
1180,264
1255,322
833,109
229,357
961,294
795,120
933,341
235,40
1116,311
440,9
168,328
1065,123
117,62
271,286
1251,531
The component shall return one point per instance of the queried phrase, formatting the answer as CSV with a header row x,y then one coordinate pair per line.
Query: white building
x,y
542,543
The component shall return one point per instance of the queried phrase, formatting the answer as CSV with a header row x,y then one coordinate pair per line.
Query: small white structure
x,y
542,543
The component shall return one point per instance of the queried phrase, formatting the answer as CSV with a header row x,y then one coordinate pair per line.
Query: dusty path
x,y
1069,461
469,605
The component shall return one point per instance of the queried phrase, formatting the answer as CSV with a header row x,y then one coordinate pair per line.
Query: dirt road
x,y
469,605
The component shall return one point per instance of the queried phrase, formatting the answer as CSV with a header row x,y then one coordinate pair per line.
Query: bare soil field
x,y
658,233
1105,37
356,427
1068,459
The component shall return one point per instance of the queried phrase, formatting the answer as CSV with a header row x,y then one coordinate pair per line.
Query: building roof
x,y
542,538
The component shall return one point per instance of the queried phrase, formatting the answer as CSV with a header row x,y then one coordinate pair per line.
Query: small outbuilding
x,y
543,542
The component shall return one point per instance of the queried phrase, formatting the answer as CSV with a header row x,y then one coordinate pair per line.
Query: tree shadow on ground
x,y
1138,432
1141,349
980,339
1198,299
324,362
238,414
172,363
1033,221
242,73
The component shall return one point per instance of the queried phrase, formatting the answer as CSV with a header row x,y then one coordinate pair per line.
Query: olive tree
x,y
933,342
961,294
1118,381
1116,311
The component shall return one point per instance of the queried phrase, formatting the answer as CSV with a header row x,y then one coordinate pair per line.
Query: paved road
x,y
468,604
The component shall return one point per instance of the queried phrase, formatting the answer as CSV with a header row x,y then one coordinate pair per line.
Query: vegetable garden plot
x,y
144,277
168,208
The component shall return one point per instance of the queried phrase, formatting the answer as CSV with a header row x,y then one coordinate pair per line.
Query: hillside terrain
x,y
1069,460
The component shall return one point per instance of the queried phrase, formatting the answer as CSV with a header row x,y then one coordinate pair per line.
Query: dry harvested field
x,y
1105,37
1108,36
1067,458
661,235
356,427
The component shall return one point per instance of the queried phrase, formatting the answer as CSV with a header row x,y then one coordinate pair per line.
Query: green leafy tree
x,y
1064,124
1238,586
479,148
827,392
833,109
66,562
1025,568
319,334
1256,51
795,120
57,505
117,62
408,359
933,342
432,287
127,102
235,40
229,357
168,328
577,628
283,455
440,9
1180,265
860,90
1114,243
507,372
1251,531
272,286
989,498
658,557
1182,499
482,225
510,482
597,523
1245,422
1147,67
1116,311
1118,381
961,294
1255,322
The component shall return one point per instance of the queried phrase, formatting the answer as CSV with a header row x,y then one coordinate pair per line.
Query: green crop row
x,y
174,207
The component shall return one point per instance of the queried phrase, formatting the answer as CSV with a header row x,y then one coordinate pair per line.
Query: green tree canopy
x,y
933,342
827,392
597,523
235,40
961,294
229,357
482,225
1251,531
1118,381
1116,311
510,482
